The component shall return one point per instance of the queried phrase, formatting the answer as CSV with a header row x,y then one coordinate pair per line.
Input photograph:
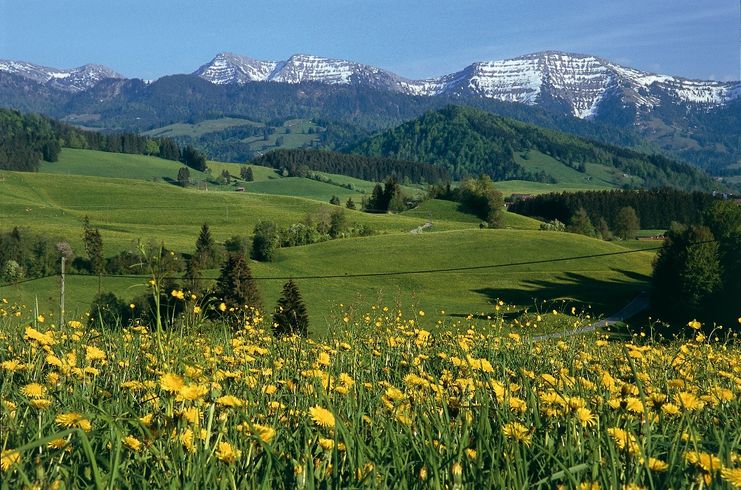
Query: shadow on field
x,y
605,296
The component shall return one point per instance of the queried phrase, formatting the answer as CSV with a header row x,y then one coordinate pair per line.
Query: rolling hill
x,y
467,141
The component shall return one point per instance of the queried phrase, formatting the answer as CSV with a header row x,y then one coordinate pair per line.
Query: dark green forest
x,y
468,141
656,208
374,169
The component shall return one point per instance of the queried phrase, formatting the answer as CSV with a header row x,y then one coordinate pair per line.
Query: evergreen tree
x,y
93,243
183,176
335,200
290,315
627,223
376,201
246,174
206,252
193,158
687,274
236,287
350,204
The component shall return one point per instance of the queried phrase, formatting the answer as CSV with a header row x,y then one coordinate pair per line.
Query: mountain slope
x,y
69,80
579,83
468,141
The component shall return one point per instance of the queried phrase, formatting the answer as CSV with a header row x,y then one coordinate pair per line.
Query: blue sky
x,y
416,39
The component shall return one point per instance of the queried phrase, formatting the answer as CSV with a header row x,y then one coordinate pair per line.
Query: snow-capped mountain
x,y
72,80
581,82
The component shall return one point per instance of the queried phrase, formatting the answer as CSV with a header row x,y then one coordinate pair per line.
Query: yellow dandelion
x,y
326,444
191,392
187,439
689,401
471,453
58,443
132,443
321,416
732,475
222,307
229,401
33,390
8,458
657,465
264,432
40,338
694,324
171,382
707,462
585,417
517,432
226,453
40,403
94,354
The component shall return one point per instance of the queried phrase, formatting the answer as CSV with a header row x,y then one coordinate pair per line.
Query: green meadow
x,y
365,270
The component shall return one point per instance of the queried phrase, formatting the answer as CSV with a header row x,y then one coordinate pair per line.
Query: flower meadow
x,y
383,400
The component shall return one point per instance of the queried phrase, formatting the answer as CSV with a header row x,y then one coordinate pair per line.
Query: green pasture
x,y
523,274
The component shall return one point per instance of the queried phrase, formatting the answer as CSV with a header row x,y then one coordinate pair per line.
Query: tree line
x,y
27,139
656,208
375,169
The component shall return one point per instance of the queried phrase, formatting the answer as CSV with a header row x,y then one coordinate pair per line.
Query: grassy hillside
x,y
605,283
117,165
126,210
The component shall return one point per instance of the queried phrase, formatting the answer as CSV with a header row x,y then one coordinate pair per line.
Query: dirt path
x,y
637,305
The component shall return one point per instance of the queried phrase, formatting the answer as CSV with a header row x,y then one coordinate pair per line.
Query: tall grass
x,y
378,402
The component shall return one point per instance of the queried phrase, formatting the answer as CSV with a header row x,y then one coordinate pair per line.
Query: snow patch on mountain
x,y
72,80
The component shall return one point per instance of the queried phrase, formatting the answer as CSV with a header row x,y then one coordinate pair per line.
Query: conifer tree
x,y
206,252
350,204
192,278
236,287
290,315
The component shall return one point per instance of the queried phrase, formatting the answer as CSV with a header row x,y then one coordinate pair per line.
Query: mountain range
x,y
697,121
581,82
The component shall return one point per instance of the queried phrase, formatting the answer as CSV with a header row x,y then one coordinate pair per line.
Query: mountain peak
x,y
70,80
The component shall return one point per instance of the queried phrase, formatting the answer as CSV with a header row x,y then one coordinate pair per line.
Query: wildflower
x,y
222,307
57,443
171,382
40,338
187,440
707,462
732,475
471,453
326,444
518,432
191,392
40,403
94,354
585,417
11,365
323,359
322,416
689,401
33,390
40,319
624,440
197,310
226,453
229,401
657,465
132,443
694,324
264,432
8,458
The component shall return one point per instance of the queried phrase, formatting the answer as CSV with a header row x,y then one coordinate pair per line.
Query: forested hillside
x,y
373,169
469,141
25,140
655,209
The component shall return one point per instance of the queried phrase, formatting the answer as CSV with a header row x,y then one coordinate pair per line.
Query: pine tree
x,y
290,315
206,252
335,200
183,176
236,287
350,204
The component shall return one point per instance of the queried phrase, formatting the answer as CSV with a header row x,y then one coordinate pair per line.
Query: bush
x,y
108,311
